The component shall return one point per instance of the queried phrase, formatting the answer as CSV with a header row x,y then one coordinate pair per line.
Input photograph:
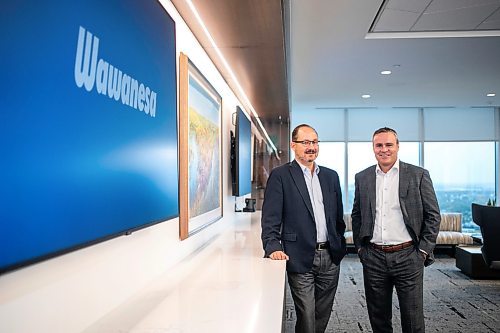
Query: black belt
x,y
322,246
392,248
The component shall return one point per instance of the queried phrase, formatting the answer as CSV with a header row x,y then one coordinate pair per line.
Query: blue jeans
x,y
313,293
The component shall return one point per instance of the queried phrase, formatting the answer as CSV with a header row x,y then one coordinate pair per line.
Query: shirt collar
x,y
395,167
307,170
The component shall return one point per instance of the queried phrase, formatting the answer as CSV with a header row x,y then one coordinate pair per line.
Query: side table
x,y
469,260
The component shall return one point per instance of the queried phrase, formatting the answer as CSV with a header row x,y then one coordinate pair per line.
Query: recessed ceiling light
x,y
491,94
385,72
365,96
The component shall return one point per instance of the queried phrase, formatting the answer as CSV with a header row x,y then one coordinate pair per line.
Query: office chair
x,y
488,218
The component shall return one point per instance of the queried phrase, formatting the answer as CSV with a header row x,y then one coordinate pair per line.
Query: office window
x,y
417,127
363,122
361,156
467,124
462,173
328,123
332,155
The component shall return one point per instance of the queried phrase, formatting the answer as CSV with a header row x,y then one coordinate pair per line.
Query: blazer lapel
x,y
372,191
298,178
325,191
403,188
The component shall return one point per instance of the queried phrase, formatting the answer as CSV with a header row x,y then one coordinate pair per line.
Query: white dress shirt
x,y
389,228
316,196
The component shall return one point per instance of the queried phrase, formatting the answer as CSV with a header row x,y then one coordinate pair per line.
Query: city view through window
x,y
463,173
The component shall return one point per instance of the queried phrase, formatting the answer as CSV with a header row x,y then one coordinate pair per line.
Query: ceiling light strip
x,y
433,34
233,76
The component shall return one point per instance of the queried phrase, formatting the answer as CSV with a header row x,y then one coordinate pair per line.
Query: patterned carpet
x,y
453,301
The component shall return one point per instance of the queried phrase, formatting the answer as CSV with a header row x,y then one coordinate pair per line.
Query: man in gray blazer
x,y
395,222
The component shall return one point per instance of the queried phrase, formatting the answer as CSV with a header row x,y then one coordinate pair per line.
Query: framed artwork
x,y
200,150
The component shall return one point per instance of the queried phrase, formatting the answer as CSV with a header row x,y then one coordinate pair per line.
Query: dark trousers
x,y
383,271
313,293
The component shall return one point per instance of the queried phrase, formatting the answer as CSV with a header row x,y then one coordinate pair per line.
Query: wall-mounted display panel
x,y
88,124
241,167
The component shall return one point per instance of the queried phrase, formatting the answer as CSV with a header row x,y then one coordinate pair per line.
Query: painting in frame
x,y
200,150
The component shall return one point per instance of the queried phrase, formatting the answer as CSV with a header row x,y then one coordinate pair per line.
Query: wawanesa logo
x,y
107,79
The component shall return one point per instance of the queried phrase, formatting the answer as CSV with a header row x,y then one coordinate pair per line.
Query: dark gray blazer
x,y
288,219
418,204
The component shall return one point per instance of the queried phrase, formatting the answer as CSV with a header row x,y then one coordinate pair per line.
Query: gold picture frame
x,y
200,150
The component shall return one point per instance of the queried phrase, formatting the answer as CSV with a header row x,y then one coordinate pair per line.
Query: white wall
x,y
70,292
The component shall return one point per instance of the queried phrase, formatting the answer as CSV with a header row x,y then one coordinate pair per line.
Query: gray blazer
x,y
418,204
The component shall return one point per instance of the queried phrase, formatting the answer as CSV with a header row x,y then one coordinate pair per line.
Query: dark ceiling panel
x,y
250,35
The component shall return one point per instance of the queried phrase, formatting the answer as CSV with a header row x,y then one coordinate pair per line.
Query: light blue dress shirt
x,y
316,196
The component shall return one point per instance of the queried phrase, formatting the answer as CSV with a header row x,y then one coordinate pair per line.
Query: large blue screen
x,y
88,124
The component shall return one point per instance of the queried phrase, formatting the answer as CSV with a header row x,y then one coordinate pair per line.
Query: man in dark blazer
x,y
395,222
303,222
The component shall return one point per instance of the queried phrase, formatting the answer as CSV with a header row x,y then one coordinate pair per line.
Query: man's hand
x,y
278,255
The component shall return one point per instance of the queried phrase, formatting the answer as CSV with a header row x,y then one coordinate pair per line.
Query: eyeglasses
x,y
308,143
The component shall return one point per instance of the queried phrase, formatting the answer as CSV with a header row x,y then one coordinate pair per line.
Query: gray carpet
x,y
453,302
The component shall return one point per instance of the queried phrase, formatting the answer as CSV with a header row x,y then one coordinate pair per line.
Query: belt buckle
x,y
321,246
393,248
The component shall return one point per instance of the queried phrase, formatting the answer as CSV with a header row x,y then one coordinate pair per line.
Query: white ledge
x,y
226,287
